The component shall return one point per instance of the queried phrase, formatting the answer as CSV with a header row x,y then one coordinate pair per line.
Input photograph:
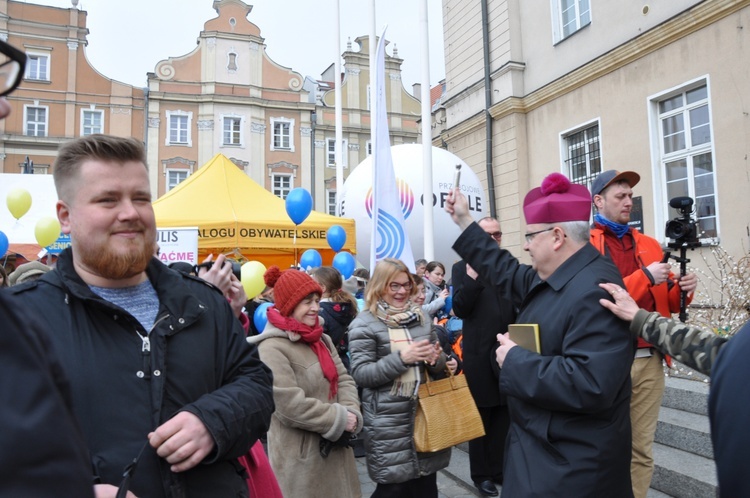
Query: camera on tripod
x,y
683,230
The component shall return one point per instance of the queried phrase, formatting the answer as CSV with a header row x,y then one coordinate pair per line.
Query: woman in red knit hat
x,y
317,407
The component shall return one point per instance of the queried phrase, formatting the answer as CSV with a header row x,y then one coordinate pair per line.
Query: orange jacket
x,y
638,283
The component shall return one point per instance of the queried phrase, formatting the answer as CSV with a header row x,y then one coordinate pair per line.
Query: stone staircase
x,y
683,454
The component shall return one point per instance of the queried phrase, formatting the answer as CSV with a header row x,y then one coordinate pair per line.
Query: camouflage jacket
x,y
695,347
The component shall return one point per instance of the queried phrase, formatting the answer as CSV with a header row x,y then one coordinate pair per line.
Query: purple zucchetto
x,y
557,201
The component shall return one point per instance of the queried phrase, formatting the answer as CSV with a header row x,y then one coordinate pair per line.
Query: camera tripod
x,y
683,260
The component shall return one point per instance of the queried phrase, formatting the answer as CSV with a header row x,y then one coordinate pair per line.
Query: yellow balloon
x,y
19,202
47,231
251,275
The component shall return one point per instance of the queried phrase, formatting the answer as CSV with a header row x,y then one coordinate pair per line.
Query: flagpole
x,y
339,120
429,228
373,82
373,134
390,238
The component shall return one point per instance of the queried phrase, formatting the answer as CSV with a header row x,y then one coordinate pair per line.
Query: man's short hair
x,y
73,154
420,262
578,231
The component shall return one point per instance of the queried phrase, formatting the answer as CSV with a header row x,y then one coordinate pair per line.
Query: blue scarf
x,y
617,228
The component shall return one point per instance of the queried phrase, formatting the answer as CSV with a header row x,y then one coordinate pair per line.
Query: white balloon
x,y
407,165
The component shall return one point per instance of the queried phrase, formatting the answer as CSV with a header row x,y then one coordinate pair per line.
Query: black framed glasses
x,y
530,236
395,286
496,235
12,67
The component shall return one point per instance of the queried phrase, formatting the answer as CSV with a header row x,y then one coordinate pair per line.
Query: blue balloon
x,y
260,317
310,259
298,205
336,236
344,263
3,244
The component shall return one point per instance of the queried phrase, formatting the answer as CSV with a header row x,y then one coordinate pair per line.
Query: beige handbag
x,y
446,415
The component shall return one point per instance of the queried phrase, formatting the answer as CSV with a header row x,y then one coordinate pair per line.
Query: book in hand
x,y
526,335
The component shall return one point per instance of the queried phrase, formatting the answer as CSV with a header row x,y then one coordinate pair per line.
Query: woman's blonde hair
x,y
385,271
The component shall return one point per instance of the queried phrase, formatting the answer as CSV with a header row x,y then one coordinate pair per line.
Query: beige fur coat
x,y
304,414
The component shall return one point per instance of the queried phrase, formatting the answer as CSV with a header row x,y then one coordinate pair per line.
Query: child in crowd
x,y
337,308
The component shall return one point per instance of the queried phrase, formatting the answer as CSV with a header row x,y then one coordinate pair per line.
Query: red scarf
x,y
310,335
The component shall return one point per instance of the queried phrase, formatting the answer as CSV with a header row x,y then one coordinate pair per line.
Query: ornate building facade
x,y
581,86
228,96
61,96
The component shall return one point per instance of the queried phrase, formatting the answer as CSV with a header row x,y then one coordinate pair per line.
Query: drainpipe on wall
x,y
313,120
145,119
487,105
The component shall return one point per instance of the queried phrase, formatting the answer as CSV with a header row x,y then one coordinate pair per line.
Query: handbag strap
x,y
427,374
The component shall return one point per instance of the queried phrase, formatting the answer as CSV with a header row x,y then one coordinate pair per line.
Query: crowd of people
x,y
122,377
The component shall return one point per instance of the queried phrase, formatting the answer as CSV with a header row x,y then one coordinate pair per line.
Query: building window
x,y
368,147
686,155
283,134
179,128
92,121
232,130
175,177
582,155
231,62
282,185
37,67
568,16
36,119
331,205
331,152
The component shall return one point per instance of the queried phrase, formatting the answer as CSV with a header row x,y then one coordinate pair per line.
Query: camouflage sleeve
x,y
692,346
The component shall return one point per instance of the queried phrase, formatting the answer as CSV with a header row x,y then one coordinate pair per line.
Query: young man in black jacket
x,y
158,365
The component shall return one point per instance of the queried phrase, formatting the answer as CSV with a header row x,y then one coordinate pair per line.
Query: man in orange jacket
x,y
655,288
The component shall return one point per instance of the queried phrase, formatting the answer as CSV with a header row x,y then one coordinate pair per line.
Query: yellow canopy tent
x,y
233,213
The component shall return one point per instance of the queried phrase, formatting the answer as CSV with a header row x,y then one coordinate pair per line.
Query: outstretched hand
x,y
457,206
624,306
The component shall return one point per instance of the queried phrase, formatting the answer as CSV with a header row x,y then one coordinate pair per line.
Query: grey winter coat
x,y
304,414
433,303
389,420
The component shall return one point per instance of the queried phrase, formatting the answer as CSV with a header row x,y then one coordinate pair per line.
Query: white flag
x,y
389,236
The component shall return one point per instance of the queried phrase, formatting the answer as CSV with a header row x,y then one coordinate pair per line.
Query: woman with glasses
x,y
392,347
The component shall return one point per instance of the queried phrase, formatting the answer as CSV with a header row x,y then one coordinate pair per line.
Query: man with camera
x,y
649,279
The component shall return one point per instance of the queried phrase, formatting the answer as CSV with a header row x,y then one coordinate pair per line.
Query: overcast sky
x,y
127,38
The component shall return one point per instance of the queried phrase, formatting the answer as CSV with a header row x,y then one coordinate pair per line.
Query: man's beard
x,y
112,265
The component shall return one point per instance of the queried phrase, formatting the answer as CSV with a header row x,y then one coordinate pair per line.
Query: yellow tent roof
x,y
231,212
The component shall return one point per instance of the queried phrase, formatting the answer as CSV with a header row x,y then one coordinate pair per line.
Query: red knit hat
x,y
289,288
